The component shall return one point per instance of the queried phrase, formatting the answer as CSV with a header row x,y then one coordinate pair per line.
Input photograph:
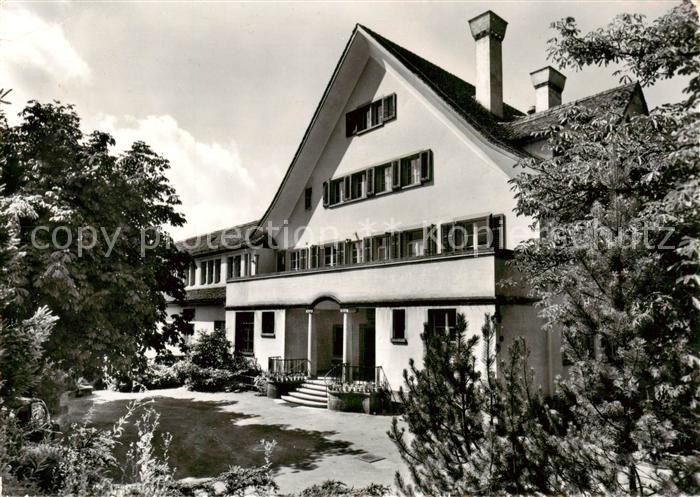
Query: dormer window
x,y
370,116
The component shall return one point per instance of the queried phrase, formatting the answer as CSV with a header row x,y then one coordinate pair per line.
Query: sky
x,y
225,90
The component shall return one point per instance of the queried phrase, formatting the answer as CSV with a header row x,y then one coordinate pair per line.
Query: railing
x,y
348,374
278,365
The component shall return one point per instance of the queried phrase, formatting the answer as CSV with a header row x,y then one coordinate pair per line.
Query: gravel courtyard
x,y
214,430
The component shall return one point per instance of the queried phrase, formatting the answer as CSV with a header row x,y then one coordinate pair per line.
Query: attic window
x,y
370,116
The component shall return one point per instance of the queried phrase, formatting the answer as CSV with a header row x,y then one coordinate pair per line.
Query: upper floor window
x,y
488,232
404,172
370,116
192,275
210,272
229,268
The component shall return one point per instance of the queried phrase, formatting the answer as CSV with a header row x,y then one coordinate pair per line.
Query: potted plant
x,y
279,384
364,397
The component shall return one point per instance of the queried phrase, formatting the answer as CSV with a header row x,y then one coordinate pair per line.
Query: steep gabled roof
x,y
220,240
456,92
522,130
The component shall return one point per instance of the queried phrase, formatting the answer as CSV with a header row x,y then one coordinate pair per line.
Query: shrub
x,y
212,350
239,481
161,376
211,380
334,488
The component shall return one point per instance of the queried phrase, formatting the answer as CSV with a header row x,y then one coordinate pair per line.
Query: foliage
x,y
150,471
617,269
335,488
212,350
260,384
211,380
667,47
21,349
468,431
108,294
87,457
240,481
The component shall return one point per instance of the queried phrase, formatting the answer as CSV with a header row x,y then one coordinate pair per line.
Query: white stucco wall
x,y
394,358
441,278
467,182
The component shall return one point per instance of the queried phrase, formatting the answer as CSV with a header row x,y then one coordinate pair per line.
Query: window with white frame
x,y
410,170
329,256
443,322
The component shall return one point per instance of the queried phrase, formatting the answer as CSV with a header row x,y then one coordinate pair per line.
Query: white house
x,y
395,212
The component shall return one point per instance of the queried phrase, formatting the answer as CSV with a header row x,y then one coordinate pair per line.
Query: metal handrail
x,y
349,374
279,365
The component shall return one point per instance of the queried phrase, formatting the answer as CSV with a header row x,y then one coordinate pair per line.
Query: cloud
x,y
216,190
29,42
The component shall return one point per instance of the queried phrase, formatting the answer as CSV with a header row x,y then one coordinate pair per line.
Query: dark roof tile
x,y
454,91
522,130
221,240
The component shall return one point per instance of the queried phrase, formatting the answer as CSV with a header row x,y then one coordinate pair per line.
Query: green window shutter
x,y
389,107
430,240
313,256
426,166
395,245
370,181
447,245
497,226
395,175
326,185
367,247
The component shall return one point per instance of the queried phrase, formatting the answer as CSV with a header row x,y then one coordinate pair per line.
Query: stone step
x,y
314,386
303,402
313,391
308,396
317,381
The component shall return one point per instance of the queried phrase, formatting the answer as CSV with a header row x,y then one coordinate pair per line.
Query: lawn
x,y
213,431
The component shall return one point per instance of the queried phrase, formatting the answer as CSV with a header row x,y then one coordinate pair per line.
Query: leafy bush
x,y
334,488
239,481
161,376
211,380
212,350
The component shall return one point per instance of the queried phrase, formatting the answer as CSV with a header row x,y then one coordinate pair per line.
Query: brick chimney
x,y
488,30
549,85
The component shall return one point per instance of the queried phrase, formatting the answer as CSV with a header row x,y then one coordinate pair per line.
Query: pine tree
x,y
470,429
617,268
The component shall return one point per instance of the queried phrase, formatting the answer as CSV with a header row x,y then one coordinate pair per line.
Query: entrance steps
x,y
313,393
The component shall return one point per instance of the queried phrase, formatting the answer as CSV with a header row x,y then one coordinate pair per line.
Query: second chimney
x,y
488,30
549,85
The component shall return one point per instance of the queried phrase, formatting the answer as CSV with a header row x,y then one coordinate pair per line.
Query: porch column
x,y
347,335
311,343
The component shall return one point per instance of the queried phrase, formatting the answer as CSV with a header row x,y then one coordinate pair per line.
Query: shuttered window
x,y
370,116
410,171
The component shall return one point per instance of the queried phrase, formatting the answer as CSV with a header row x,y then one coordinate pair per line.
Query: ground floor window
x,y
268,324
443,321
398,325
219,325
245,332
